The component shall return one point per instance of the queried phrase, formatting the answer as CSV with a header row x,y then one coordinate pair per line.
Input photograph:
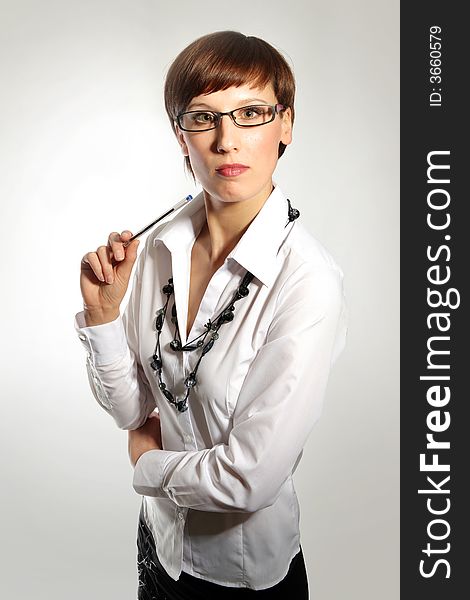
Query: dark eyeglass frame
x,y
277,108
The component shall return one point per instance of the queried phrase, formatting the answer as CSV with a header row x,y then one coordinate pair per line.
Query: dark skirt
x,y
156,584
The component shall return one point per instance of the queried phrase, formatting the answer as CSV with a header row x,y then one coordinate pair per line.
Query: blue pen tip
x,y
188,197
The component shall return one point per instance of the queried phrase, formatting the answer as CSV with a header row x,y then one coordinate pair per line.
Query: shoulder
x,y
307,269
309,292
303,248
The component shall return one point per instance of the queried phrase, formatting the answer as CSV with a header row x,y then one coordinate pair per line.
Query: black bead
x,y
167,289
159,322
156,363
227,316
182,406
175,345
293,214
243,291
168,395
208,346
190,380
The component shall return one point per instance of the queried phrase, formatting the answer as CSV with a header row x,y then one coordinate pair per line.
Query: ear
x,y
182,142
286,134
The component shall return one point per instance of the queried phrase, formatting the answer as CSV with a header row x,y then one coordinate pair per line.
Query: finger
x,y
104,255
91,261
115,244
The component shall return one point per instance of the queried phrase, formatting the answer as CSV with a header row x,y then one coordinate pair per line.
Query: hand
x,y
104,278
148,437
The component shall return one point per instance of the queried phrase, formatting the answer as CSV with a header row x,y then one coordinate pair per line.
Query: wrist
x,y
99,316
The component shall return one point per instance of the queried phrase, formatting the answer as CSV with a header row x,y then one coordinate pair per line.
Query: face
x,y
256,148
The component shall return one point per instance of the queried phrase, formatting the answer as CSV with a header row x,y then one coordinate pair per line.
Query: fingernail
x,y
109,279
119,255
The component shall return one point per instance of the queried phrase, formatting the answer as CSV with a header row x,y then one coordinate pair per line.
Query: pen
x,y
177,206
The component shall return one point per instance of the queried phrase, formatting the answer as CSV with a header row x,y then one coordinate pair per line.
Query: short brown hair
x,y
221,60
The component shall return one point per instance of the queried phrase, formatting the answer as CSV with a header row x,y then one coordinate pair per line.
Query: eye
x,y
203,118
252,112
254,115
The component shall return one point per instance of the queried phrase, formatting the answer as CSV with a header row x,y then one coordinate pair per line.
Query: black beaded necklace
x,y
211,331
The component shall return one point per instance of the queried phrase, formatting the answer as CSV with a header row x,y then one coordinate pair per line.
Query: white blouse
x,y
219,499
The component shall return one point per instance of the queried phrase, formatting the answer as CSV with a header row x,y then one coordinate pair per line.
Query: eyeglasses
x,y
247,116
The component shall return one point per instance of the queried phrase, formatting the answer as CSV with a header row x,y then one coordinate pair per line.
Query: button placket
x,y
187,432
188,441
211,298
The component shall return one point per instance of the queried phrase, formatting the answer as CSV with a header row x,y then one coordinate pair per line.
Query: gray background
x,y
85,148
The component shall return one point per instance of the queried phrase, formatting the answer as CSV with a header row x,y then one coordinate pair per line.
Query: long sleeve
x,y
278,404
116,377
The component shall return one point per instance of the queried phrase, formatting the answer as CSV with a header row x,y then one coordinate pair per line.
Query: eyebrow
x,y
242,103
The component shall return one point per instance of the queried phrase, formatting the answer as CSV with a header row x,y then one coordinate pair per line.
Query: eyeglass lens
x,y
248,116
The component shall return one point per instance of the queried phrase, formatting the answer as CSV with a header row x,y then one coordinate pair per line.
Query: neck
x,y
226,222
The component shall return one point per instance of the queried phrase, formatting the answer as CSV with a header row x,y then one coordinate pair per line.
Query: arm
x,y
278,404
116,377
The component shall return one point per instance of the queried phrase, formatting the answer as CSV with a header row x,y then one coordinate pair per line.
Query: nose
x,y
227,135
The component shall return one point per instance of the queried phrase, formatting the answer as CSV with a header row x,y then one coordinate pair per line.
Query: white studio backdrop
x,y
86,148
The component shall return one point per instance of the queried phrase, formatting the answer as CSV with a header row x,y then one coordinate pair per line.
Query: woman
x,y
235,317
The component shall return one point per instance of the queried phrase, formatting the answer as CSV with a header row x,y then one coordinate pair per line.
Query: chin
x,y
230,196
234,191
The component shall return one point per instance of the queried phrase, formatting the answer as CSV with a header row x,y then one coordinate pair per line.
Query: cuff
x,y
105,343
149,472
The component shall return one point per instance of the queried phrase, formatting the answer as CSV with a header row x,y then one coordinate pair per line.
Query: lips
x,y
231,170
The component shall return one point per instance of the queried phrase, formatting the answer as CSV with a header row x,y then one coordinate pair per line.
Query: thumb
x,y
124,268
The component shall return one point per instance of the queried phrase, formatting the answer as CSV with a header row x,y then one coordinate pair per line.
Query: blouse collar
x,y
257,249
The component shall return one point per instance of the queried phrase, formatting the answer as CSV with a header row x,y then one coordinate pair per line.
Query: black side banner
x,y
435,434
